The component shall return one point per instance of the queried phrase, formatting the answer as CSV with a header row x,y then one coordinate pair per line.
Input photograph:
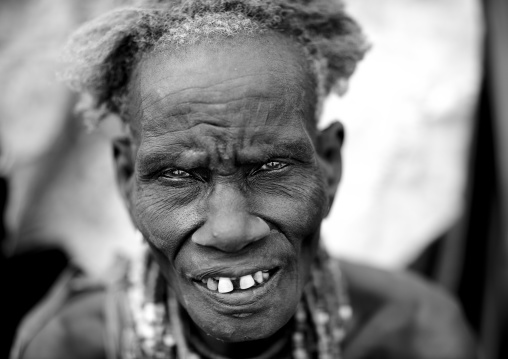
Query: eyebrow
x,y
169,155
299,150
295,149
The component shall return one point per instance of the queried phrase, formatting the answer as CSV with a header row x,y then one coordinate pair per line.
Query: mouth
x,y
230,285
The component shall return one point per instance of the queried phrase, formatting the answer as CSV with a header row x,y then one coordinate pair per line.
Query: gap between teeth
x,y
225,285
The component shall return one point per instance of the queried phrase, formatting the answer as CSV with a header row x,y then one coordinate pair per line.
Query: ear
x,y
329,144
124,165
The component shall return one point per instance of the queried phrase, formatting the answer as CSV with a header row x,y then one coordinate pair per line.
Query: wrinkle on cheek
x,y
167,215
297,204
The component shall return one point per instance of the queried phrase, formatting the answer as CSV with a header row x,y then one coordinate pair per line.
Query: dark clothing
x,y
26,278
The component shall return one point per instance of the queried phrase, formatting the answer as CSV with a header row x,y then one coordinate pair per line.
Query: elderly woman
x,y
227,179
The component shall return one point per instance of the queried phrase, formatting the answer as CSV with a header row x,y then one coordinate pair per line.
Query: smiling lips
x,y
228,285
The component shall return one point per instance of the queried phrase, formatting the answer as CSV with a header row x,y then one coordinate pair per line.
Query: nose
x,y
229,226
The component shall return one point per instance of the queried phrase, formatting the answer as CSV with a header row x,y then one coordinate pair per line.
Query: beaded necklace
x,y
155,329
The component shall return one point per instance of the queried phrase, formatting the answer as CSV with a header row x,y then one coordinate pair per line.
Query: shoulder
x,y
81,318
67,323
402,314
77,331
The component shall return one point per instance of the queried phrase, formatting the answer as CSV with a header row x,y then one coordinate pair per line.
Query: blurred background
x,y
425,159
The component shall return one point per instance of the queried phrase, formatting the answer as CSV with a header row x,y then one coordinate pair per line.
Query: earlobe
x,y
124,165
329,146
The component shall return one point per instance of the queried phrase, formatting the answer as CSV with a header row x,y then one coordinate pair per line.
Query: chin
x,y
247,315
240,329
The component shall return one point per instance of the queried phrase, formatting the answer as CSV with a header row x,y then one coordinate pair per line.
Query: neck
x,y
238,350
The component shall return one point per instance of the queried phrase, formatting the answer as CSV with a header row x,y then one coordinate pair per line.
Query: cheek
x,y
165,216
296,204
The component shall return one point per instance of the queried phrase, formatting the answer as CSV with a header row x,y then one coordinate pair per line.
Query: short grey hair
x,y
101,56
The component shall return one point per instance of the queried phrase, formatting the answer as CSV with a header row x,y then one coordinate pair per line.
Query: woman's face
x,y
224,180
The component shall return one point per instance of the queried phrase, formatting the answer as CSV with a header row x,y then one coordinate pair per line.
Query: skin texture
x,y
223,176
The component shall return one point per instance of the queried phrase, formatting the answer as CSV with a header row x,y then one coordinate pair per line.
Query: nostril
x,y
259,228
231,234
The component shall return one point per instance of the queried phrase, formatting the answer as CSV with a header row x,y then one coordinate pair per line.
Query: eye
x,y
273,166
175,173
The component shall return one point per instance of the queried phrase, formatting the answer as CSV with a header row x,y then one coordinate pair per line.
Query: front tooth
x,y
225,285
211,284
258,277
246,282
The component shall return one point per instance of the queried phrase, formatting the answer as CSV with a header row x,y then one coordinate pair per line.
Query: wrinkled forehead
x,y
245,81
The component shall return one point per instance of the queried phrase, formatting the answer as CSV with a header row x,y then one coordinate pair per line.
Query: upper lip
x,y
230,271
256,257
